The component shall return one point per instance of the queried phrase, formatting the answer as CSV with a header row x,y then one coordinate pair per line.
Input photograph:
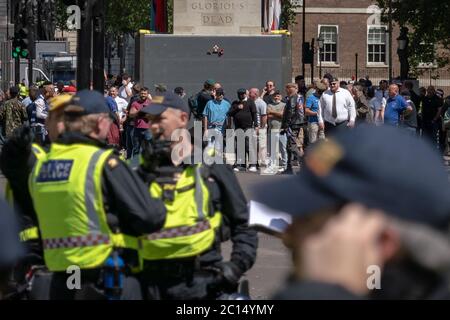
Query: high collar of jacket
x,y
78,138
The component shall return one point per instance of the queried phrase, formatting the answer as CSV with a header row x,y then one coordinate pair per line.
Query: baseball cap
x,y
161,87
381,168
162,103
242,91
87,102
210,82
59,102
70,89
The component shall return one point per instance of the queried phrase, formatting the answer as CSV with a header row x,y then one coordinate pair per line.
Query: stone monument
x,y
217,17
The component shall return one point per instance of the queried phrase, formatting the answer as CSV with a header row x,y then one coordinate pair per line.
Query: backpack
x,y
193,104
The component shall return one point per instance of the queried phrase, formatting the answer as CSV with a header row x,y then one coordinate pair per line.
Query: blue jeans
x,y
139,135
281,149
129,140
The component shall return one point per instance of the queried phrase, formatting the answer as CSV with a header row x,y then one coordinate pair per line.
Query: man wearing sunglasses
x,y
337,109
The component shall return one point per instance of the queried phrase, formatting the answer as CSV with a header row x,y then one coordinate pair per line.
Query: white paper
x,y
267,218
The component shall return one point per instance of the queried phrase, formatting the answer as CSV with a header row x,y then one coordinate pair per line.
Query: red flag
x,y
160,14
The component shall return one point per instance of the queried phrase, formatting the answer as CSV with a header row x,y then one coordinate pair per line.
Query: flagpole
x,y
304,38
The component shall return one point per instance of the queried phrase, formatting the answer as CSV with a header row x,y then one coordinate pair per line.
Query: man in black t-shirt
x,y
204,96
243,112
431,111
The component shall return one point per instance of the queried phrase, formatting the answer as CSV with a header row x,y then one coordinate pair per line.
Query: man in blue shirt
x,y
395,107
312,111
215,117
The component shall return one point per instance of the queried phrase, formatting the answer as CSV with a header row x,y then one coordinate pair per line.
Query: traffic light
x,y
20,47
308,54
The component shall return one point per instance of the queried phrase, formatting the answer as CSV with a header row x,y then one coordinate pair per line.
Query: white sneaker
x,y
253,169
236,169
281,170
269,171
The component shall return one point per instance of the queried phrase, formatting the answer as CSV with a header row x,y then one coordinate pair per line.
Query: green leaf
x,y
429,28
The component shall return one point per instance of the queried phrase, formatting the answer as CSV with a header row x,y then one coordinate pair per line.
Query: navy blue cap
x,y
381,168
87,102
242,91
162,103
11,249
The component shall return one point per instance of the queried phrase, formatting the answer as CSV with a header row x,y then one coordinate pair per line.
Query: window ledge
x,y
377,65
329,65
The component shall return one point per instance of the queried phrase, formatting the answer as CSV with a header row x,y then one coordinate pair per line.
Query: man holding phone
x,y
268,92
126,90
365,234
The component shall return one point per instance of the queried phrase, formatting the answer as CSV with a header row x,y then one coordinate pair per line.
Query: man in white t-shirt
x,y
125,91
122,104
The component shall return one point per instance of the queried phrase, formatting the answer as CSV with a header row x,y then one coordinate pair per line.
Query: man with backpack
x,y
197,103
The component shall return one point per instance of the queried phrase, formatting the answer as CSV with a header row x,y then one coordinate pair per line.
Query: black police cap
x,y
162,103
87,102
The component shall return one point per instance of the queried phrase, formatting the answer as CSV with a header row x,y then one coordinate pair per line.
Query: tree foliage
x,y
127,16
288,15
61,15
122,16
428,21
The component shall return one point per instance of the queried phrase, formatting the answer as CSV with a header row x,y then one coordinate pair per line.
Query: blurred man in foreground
x,y
364,233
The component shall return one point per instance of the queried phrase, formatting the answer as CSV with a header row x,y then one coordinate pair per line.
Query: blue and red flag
x,y
159,16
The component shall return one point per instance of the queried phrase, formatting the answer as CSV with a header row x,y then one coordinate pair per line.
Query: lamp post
x,y
321,43
390,40
402,52
303,36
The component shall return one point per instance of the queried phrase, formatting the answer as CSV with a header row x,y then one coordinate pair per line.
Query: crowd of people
x,y
285,121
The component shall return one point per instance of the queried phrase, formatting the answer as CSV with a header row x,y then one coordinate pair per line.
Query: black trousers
x,y
248,156
331,129
180,279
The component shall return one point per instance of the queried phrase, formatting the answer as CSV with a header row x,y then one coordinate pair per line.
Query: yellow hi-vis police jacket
x,y
67,196
190,224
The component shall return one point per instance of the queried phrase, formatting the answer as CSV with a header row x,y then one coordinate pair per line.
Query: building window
x,y
329,35
376,45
